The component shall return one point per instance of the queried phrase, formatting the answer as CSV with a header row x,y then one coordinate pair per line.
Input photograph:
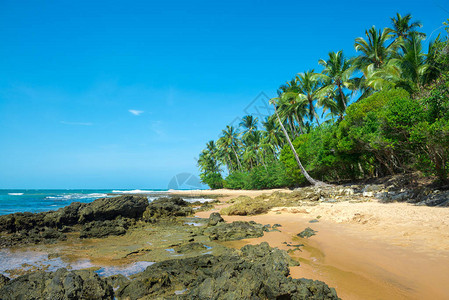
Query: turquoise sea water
x,y
12,201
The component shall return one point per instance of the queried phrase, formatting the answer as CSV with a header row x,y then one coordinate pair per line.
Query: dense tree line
x,y
385,111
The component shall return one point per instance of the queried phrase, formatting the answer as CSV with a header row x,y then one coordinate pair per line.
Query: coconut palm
x,y
273,136
409,71
413,62
208,160
402,29
374,51
229,143
308,93
336,77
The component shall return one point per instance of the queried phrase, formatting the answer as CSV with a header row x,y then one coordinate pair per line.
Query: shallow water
x,y
15,263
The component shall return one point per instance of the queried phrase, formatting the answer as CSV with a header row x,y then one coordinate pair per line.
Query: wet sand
x,y
365,250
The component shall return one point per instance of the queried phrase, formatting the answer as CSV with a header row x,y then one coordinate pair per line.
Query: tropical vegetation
x,y
382,112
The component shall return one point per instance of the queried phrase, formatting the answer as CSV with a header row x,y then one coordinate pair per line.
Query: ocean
x,y
12,201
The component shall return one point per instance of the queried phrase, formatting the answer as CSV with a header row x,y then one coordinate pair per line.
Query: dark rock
x,y
166,208
61,284
214,219
32,236
110,208
117,281
191,247
48,227
306,233
254,272
3,280
234,231
437,198
100,229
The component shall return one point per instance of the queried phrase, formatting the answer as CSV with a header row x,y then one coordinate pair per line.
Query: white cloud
x,y
77,123
136,112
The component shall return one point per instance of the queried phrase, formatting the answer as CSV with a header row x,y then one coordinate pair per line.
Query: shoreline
x,y
365,249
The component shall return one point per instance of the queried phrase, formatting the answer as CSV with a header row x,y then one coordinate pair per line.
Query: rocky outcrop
x,y
166,208
254,272
306,233
3,280
214,219
234,231
61,284
102,217
100,229
110,208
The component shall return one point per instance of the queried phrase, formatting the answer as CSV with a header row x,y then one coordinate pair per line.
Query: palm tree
x,y
374,51
308,92
228,143
249,123
292,110
409,71
402,29
208,160
303,171
253,147
272,134
336,76
413,62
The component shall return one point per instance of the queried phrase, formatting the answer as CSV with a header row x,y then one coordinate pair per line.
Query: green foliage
x,y
272,175
398,124
236,180
433,141
213,180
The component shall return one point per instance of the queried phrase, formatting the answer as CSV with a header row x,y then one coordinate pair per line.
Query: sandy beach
x,y
365,249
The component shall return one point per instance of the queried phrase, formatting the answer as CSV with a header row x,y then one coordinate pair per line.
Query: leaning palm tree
x,y
402,29
303,170
336,76
292,110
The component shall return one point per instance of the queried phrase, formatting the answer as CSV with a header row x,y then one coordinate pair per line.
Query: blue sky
x,y
125,94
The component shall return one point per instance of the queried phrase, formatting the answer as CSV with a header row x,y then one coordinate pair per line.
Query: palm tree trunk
x,y
238,160
303,171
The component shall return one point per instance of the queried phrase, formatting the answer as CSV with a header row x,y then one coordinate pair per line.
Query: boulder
x,y
61,284
110,208
214,219
306,233
234,231
166,208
